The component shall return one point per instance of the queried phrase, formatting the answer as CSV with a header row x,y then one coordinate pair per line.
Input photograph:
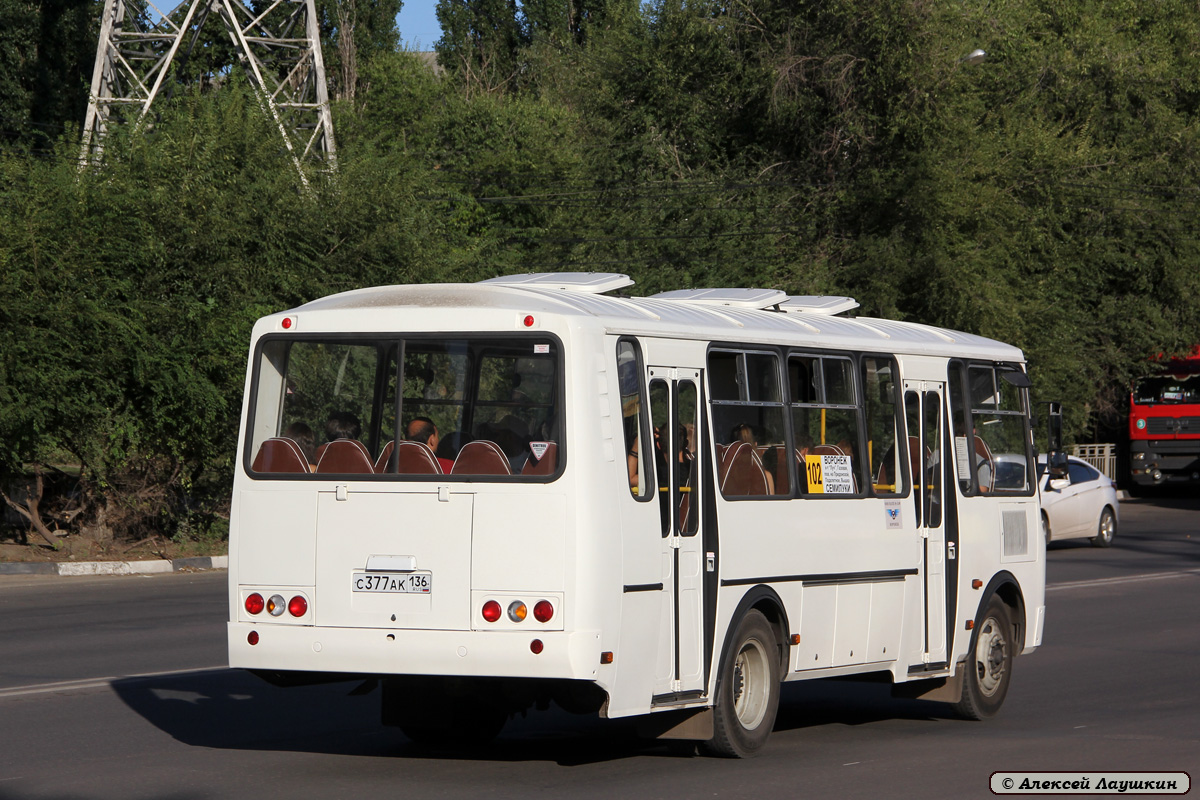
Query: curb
x,y
72,568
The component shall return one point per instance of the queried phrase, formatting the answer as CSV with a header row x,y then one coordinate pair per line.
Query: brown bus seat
x,y
345,456
415,458
481,457
279,455
743,472
381,463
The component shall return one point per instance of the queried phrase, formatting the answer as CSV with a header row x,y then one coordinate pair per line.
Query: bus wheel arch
x,y
1006,587
997,637
765,601
750,673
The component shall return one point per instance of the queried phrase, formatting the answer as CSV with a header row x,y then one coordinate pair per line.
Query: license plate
x,y
401,582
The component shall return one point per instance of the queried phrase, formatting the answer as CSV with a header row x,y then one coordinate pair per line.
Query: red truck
x,y
1164,424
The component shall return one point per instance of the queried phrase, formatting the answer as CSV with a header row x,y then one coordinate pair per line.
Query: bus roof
x,y
673,317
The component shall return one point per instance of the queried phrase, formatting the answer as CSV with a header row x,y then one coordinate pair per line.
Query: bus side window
x,y
879,403
660,422
748,411
825,424
639,446
917,453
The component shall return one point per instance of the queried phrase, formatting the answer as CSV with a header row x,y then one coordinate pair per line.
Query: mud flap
x,y
690,723
938,690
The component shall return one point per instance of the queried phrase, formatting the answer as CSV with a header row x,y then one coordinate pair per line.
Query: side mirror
x,y
1056,458
1058,484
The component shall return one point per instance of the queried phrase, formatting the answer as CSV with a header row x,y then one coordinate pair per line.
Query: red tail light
x,y
298,606
491,611
543,611
255,604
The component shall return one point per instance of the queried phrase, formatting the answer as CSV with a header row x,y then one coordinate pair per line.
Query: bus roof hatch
x,y
735,298
586,282
829,305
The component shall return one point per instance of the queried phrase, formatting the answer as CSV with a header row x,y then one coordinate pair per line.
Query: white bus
x,y
492,496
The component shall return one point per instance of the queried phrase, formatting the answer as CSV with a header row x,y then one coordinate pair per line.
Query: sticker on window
x,y
541,348
538,449
829,474
962,456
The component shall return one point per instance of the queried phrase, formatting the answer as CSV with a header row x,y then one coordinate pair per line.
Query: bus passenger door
x,y
923,410
675,414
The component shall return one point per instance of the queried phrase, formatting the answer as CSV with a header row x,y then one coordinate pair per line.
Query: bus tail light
x,y
252,637
543,611
491,611
275,605
255,603
298,606
536,646
517,611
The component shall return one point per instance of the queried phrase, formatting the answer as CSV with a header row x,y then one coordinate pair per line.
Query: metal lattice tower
x,y
280,48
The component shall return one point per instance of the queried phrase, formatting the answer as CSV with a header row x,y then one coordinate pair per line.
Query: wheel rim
x,y
751,684
991,657
1106,527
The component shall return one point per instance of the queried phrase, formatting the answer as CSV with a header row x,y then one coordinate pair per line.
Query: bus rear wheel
x,y
988,669
747,691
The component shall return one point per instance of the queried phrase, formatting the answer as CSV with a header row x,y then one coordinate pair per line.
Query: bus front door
x,y
675,413
923,408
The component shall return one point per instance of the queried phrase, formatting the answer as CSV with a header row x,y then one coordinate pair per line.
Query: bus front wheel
x,y
988,669
747,690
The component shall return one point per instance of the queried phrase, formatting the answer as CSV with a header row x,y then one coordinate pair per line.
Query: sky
x,y
419,29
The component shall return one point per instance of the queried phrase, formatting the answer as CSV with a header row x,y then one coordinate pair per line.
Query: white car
x,y
1081,505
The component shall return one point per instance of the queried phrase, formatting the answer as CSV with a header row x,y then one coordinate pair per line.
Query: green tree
x,y
481,42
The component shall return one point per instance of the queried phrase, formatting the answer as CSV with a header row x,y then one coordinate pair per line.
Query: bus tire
x,y
987,672
747,695
1106,530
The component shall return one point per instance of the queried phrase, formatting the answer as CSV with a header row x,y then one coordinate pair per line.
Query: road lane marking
x,y
97,683
1149,576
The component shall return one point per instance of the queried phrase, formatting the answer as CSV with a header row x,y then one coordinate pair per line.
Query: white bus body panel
x,y
582,539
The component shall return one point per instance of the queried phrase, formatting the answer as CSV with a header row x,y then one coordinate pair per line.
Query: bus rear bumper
x,y
380,651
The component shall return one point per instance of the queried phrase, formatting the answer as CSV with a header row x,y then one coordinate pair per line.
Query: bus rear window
x,y
470,408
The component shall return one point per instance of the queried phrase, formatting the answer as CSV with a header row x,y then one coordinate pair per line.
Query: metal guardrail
x,y
1101,456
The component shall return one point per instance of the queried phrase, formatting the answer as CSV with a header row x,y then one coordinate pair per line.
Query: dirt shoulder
x,y
72,549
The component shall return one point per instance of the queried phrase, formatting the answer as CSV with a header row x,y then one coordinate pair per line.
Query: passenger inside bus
x,y
423,430
342,425
631,456
302,435
343,452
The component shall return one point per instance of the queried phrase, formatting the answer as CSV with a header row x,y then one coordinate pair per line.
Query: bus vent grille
x,y
1016,533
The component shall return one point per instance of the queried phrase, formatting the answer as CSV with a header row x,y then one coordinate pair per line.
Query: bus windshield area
x,y
466,407
1167,390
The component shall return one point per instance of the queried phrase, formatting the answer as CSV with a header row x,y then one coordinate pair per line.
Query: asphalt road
x,y
113,687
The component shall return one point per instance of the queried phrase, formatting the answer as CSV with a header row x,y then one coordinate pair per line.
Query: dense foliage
x,y
1046,197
